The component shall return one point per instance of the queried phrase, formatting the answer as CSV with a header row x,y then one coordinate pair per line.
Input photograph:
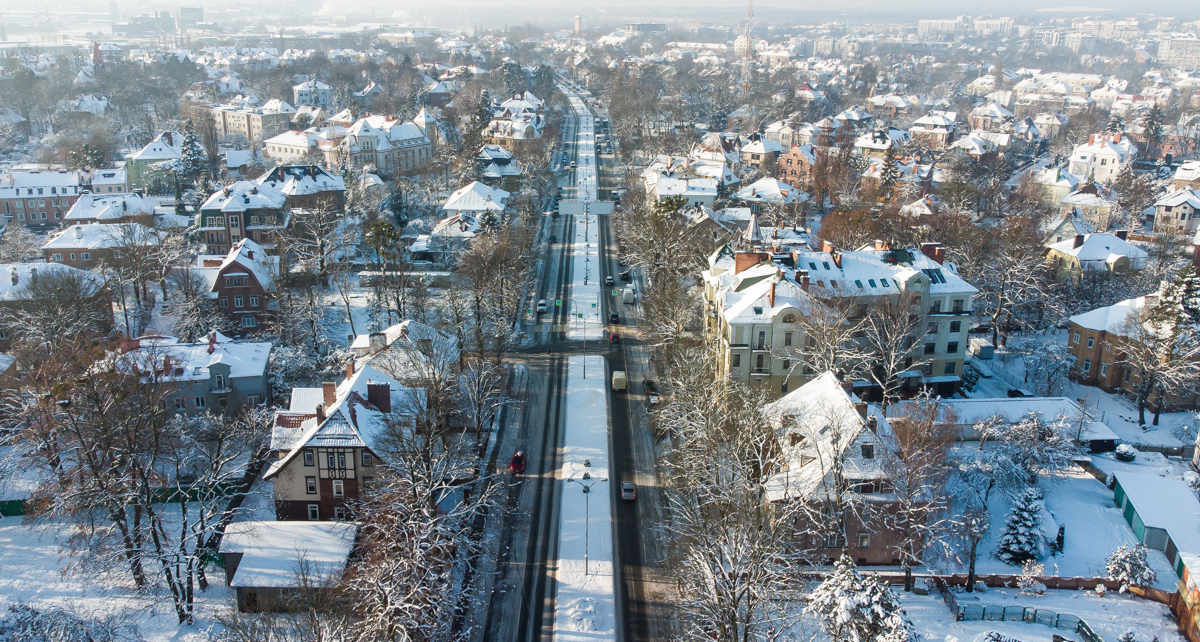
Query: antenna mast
x,y
748,55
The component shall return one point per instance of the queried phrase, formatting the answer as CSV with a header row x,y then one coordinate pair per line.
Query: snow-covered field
x,y
584,600
1110,616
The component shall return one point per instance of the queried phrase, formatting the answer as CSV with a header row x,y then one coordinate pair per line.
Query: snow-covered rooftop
x,y
272,552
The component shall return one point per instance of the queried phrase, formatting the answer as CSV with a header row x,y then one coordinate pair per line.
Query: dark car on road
x,y
613,317
517,463
626,277
650,390
553,240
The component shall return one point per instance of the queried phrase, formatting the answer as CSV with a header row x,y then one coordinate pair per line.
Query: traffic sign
x,y
614,293
593,305
558,302
580,315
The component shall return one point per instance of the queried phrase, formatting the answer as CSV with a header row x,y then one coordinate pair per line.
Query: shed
x,y
266,561
1163,513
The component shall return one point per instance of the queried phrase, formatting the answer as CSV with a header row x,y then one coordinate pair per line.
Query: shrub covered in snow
x,y
1125,452
1027,581
855,608
1128,566
1023,539
26,623
1128,636
1101,590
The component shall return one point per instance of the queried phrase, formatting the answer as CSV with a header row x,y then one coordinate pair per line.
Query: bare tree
x,y
321,237
1162,348
890,329
18,244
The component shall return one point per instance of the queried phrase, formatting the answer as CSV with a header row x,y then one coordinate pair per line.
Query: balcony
x,y
760,371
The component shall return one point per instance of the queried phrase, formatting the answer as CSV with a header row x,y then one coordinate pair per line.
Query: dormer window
x,y
758,310
220,381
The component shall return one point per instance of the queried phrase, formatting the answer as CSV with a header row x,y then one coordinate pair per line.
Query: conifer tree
x,y
852,607
1022,538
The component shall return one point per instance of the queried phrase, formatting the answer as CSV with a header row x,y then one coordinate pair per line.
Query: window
x,y
871,282
1091,341
955,326
1104,370
759,363
87,256
237,302
868,451
787,338
1087,365
233,221
864,540
935,306
199,402
314,512
952,347
930,348
950,367
932,329
762,339
310,485
735,361
958,305
757,310
1075,339
220,382
329,460
787,365
789,318
832,540
254,302
56,257
248,322
309,458
858,283
366,459
339,488
224,302
180,403
339,513
341,460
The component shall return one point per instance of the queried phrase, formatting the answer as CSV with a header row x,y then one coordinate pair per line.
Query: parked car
x,y
614,318
517,463
628,491
625,276
608,280
541,306
614,338
619,381
650,390
553,240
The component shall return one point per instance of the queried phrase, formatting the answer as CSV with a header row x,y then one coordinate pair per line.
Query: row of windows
x,y
934,326
83,256
33,216
200,403
314,512
237,301
335,460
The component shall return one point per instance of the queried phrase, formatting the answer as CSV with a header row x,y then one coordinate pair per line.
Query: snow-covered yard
x,y
1109,616
32,570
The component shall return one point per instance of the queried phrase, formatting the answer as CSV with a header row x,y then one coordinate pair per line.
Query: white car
x,y
541,306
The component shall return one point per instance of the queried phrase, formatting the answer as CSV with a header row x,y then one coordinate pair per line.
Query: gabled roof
x,y
1112,318
476,197
771,190
272,552
98,236
1100,247
243,196
15,276
109,207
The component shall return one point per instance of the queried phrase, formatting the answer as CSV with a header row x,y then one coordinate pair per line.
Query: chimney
x,y
250,254
745,260
15,277
377,341
1123,235
350,369
1078,241
803,278
1091,139
826,247
212,341
873,423
933,251
881,246
861,407
320,413
380,395
837,259
329,392
78,231
771,296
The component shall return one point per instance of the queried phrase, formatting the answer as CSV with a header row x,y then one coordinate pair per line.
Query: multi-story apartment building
x,y
87,246
307,186
143,165
1180,53
755,304
936,129
251,124
388,145
312,93
242,210
40,199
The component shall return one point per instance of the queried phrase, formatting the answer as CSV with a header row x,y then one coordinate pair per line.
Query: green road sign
x,y
528,310
558,302
614,293
580,315
593,305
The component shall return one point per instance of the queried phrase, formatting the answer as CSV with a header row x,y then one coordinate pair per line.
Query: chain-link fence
x,y
1046,617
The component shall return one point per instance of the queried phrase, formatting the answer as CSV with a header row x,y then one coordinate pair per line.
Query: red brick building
x,y
243,283
795,166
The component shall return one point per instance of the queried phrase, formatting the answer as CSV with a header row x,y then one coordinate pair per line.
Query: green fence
x,y
1053,619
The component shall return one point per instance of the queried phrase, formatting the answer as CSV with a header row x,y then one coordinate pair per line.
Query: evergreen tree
x,y
855,608
1116,124
1022,538
889,173
1152,125
191,154
397,204
1128,566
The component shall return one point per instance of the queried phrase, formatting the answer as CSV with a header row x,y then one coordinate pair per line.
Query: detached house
x,y
1178,211
1097,253
935,130
243,282
1100,158
245,209
216,375
832,449
85,246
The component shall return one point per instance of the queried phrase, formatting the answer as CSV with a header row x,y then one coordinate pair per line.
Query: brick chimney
x,y
802,277
320,413
329,392
350,369
837,259
826,247
377,341
1123,235
380,395
771,296
934,251
861,407
1078,241
881,246
745,260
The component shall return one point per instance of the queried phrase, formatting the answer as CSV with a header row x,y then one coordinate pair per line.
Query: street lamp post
x,y
587,513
